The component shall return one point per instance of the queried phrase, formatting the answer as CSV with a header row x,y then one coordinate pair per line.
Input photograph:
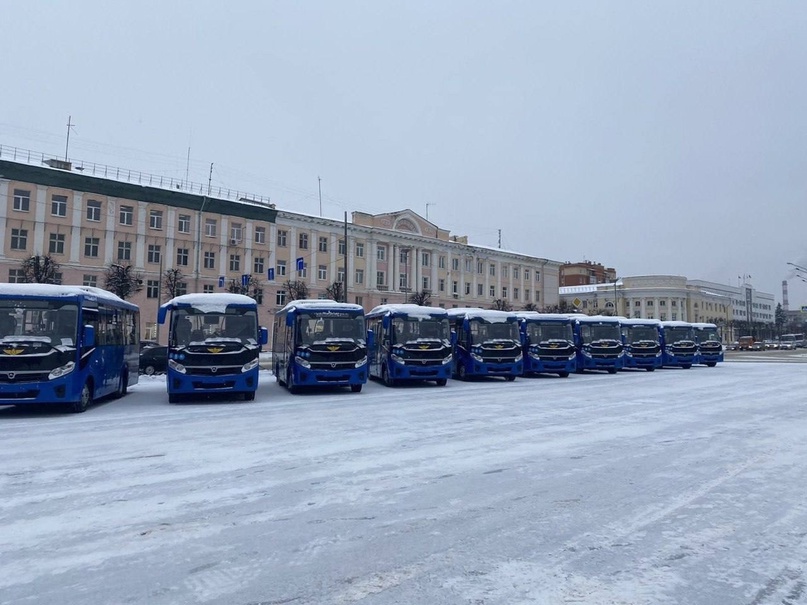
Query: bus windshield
x,y
678,334
707,334
483,331
640,333
314,328
593,332
49,321
412,329
192,326
539,332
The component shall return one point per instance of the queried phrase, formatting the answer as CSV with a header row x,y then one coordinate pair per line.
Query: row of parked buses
x,y
319,342
70,345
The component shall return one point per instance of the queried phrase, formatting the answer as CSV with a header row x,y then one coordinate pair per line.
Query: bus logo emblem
x,y
424,347
11,375
215,350
333,348
333,364
13,351
214,369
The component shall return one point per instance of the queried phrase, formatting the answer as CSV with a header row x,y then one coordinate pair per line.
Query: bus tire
x,y
174,398
461,374
356,388
687,366
249,396
612,370
441,382
650,368
388,380
84,401
293,388
123,385
563,374
510,378
711,364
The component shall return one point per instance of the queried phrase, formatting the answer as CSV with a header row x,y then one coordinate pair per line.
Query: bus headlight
x,y
572,356
477,357
250,365
303,362
396,359
518,358
361,362
62,371
448,359
176,366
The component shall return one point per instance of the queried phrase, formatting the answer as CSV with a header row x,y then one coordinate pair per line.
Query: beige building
x,y
88,221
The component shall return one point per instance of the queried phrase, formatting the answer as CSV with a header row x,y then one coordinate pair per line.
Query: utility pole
x,y
67,145
500,239
346,276
319,186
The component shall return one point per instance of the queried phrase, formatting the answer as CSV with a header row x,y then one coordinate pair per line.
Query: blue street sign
x,y
300,264
270,275
245,280
221,281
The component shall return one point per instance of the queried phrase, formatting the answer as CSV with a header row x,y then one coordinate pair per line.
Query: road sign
x,y
300,264
804,308
270,274
245,280
577,302
221,281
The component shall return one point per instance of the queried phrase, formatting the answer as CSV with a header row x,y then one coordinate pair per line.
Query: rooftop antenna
x,y
427,208
187,165
69,126
319,186
500,239
209,178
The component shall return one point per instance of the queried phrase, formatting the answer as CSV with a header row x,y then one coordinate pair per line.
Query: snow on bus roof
x,y
53,291
676,324
595,318
409,309
317,303
535,315
637,321
491,315
703,324
210,302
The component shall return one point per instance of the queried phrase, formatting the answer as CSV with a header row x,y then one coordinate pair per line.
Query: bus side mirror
x,y
453,338
290,320
370,339
264,336
89,336
385,322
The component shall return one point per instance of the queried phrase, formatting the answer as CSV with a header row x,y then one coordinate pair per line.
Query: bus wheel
x,y
174,398
687,366
84,401
123,385
563,374
290,382
249,396
355,388
650,369
441,382
711,364
461,372
612,370
388,380
510,378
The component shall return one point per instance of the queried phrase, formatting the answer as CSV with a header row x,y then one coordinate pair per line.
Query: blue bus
x,y
598,340
411,342
710,347
320,342
679,348
214,345
65,345
642,341
548,341
488,343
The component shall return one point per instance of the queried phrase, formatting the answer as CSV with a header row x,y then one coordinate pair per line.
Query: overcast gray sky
x,y
656,138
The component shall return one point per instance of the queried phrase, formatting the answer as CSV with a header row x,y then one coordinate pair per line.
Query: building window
x,y
154,253
380,279
492,270
441,285
426,283
182,256
235,262
184,223
425,259
341,251
515,272
208,289
468,264
455,264
662,303
280,269
359,300
650,303
210,260
19,239
515,293
257,264
182,288
22,200
359,276
58,205
281,241
94,211
235,234
404,257
674,316
441,262
210,227
302,241
504,291
537,276
91,246
403,281
56,244
340,275
480,267
90,280
492,291
360,249
526,274
304,271
638,303
527,294
322,272
323,244
126,215
16,276
505,271
153,288
260,235
280,298
124,250
381,253
467,288
479,289
674,303
156,219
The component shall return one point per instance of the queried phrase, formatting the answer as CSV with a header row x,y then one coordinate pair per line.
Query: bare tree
x,y
422,298
336,291
530,307
253,288
561,307
172,283
40,270
501,304
122,281
297,289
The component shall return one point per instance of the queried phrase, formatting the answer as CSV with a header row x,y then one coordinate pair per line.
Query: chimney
x,y
785,305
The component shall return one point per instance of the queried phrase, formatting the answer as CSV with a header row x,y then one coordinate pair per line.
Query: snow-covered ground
x,y
677,486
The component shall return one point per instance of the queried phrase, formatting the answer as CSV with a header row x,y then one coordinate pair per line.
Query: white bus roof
x,y
210,302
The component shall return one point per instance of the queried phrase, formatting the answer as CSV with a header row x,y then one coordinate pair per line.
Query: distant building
x,y
676,298
585,273
86,219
